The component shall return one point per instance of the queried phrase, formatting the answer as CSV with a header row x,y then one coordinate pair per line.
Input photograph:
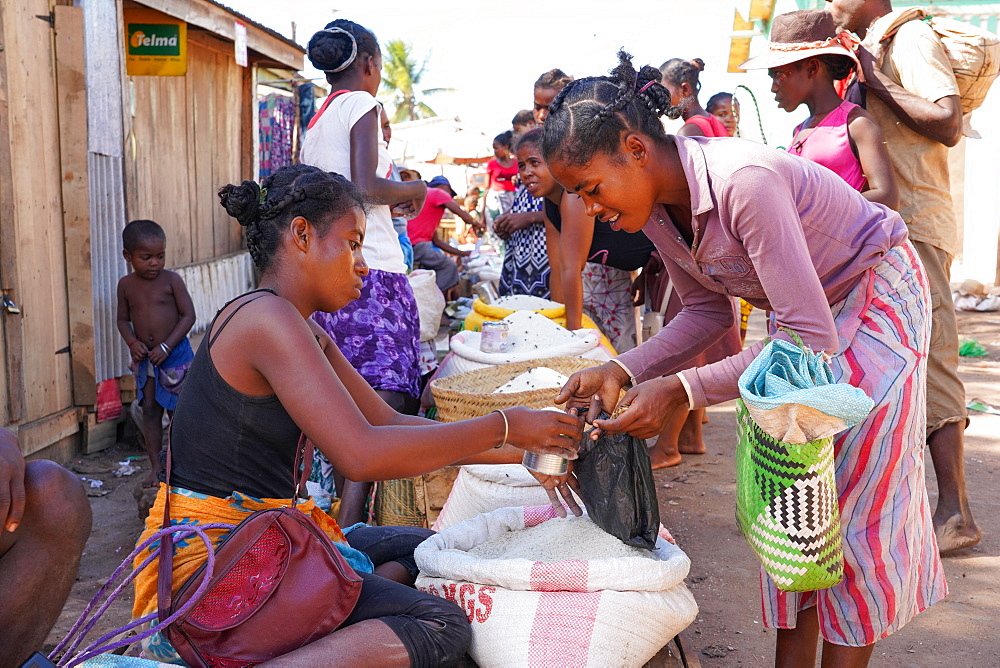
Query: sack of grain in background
x,y
597,612
481,488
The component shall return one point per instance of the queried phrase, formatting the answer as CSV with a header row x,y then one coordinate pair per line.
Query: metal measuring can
x,y
545,464
494,336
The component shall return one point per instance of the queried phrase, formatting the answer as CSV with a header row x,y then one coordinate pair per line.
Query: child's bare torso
x,y
152,306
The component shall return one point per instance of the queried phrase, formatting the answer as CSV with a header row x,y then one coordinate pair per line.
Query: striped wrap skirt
x,y
607,299
892,570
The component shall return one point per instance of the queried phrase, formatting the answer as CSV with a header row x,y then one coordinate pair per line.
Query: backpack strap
x,y
886,27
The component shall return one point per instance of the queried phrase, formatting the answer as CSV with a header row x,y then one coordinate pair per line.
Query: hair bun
x,y
242,202
331,49
698,64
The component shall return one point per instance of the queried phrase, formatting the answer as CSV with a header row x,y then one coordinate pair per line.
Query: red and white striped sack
x,y
566,614
480,488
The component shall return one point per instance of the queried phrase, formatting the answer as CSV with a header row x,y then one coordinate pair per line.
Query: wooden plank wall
x,y
11,385
38,274
38,227
71,81
189,141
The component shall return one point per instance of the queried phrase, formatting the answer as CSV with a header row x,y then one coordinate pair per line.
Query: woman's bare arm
x,y
364,166
690,130
273,349
574,246
555,261
380,414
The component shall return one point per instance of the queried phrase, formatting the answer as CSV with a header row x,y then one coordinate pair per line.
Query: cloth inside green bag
x,y
790,392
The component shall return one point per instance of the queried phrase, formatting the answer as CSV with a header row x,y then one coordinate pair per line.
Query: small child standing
x,y
155,313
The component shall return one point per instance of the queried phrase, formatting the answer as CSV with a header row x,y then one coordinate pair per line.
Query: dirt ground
x,y
697,503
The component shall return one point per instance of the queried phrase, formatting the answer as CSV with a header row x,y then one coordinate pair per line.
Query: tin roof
x,y
217,18
261,26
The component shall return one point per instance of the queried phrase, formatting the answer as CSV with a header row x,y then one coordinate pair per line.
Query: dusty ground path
x,y
697,504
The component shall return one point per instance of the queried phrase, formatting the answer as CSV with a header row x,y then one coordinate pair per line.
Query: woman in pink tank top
x,y
805,56
680,77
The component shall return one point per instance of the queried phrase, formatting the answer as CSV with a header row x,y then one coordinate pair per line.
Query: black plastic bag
x,y
616,483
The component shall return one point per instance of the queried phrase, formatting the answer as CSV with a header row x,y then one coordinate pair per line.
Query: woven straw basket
x,y
414,502
470,394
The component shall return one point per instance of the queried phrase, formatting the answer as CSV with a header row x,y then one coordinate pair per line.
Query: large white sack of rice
x,y
525,303
594,612
531,336
480,488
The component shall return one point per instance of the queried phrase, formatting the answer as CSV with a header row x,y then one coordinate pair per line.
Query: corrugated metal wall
x,y
107,218
105,143
212,284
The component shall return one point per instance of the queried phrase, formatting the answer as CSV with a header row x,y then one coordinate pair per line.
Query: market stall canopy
x,y
441,141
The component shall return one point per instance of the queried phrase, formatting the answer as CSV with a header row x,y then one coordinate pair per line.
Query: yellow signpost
x,y
155,44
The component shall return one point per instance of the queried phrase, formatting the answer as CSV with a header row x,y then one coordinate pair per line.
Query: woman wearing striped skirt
x,y
731,219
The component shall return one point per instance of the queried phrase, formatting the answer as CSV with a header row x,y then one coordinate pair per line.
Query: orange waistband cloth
x,y
187,507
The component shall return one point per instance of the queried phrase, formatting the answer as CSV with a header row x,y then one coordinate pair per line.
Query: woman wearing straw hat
x,y
805,57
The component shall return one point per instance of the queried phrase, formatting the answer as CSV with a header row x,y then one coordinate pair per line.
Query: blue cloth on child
x,y
167,376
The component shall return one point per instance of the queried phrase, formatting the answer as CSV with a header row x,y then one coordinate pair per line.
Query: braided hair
x,y
678,71
296,190
590,115
335,48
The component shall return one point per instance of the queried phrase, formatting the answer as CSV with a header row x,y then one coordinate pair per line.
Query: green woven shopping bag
x,y
786,507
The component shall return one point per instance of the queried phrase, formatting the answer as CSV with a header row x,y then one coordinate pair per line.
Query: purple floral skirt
x,y
379,333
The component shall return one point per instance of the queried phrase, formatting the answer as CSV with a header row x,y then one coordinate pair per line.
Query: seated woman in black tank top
x,y
266,374
590,260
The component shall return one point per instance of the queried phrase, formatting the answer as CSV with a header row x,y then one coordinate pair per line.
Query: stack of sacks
x,y
539,590
430,302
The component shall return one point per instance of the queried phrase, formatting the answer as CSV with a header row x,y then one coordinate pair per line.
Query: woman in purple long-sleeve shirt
x,y
732,218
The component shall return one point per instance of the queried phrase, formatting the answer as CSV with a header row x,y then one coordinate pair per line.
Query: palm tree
x,y
399,84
